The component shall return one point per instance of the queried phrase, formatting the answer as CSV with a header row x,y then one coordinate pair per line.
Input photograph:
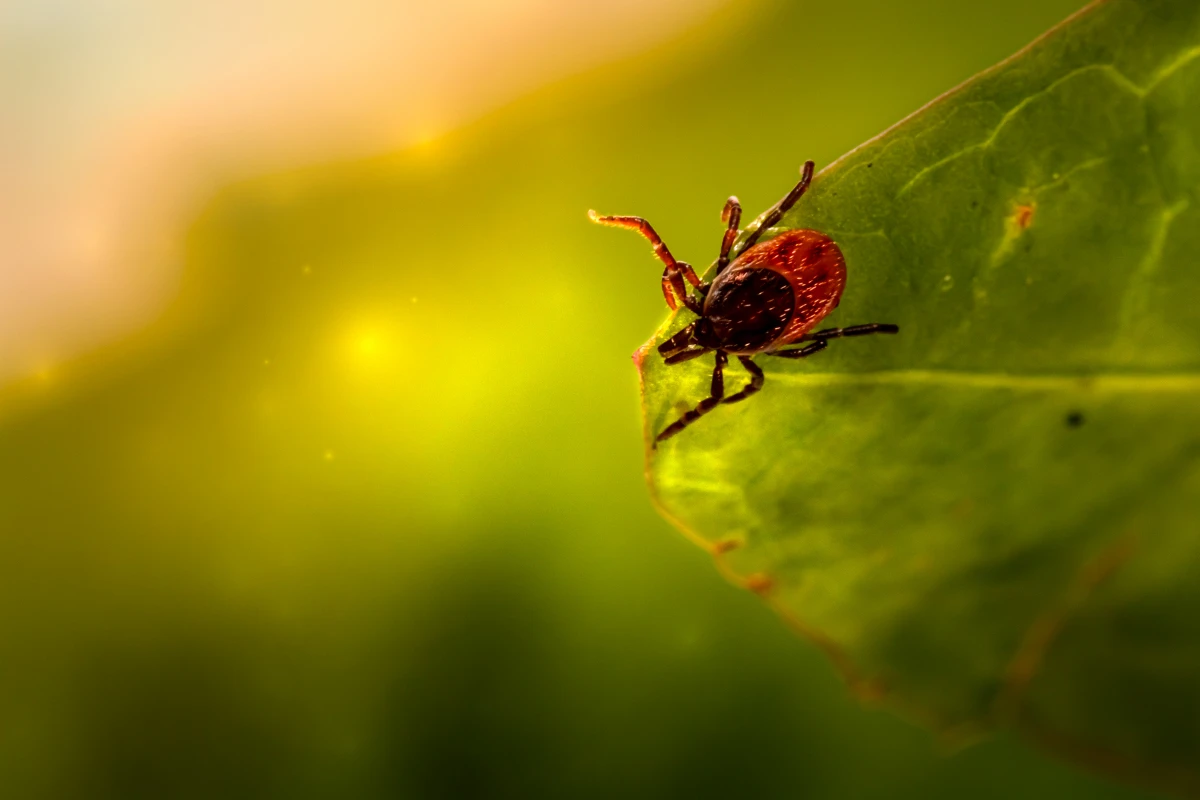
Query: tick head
x,y
704,334
679,342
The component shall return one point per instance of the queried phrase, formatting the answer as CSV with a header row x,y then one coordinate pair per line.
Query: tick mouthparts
x,y
679,341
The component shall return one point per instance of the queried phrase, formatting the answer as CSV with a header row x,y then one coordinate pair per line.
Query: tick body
x,y
764,301
773,294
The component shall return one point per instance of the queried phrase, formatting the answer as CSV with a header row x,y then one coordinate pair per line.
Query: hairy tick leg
x,y
672,279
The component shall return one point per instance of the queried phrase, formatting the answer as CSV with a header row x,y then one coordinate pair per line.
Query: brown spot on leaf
x,y
759,583
1023,216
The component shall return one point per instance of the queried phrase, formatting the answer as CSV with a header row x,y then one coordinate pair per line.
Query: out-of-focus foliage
x,y
363,514
992,518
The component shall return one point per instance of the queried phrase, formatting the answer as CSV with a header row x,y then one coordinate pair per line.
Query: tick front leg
x,y
755,384
674,281
853,330
706,405
731,215
675,271
783,206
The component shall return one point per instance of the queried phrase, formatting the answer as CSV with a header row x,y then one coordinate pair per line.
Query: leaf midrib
x,y
1095,382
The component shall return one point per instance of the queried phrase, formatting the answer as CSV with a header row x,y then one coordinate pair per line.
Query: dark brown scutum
x,y
749,309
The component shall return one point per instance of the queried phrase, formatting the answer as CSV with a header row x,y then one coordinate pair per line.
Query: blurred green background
x,y
362,514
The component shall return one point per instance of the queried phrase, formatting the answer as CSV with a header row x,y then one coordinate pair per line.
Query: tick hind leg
x,y
820,339
853,330
706,405
802,352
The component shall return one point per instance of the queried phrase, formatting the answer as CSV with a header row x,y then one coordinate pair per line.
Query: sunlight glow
x,y
368,347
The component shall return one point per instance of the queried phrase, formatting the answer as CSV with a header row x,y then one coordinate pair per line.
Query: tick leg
x,y
675,272
706,405
676,283
853,330
756,381
731,215
782,207
802,352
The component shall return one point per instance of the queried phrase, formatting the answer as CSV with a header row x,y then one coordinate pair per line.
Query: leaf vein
x,y
1112,72
1185,382
1137,293
1170,69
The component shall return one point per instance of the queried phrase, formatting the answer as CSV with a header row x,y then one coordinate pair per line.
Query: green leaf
x,y
993,518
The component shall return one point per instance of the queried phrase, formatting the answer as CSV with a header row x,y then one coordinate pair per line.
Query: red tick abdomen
x,y
813,265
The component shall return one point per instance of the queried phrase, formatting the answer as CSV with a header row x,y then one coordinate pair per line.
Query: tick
x,y
770,296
